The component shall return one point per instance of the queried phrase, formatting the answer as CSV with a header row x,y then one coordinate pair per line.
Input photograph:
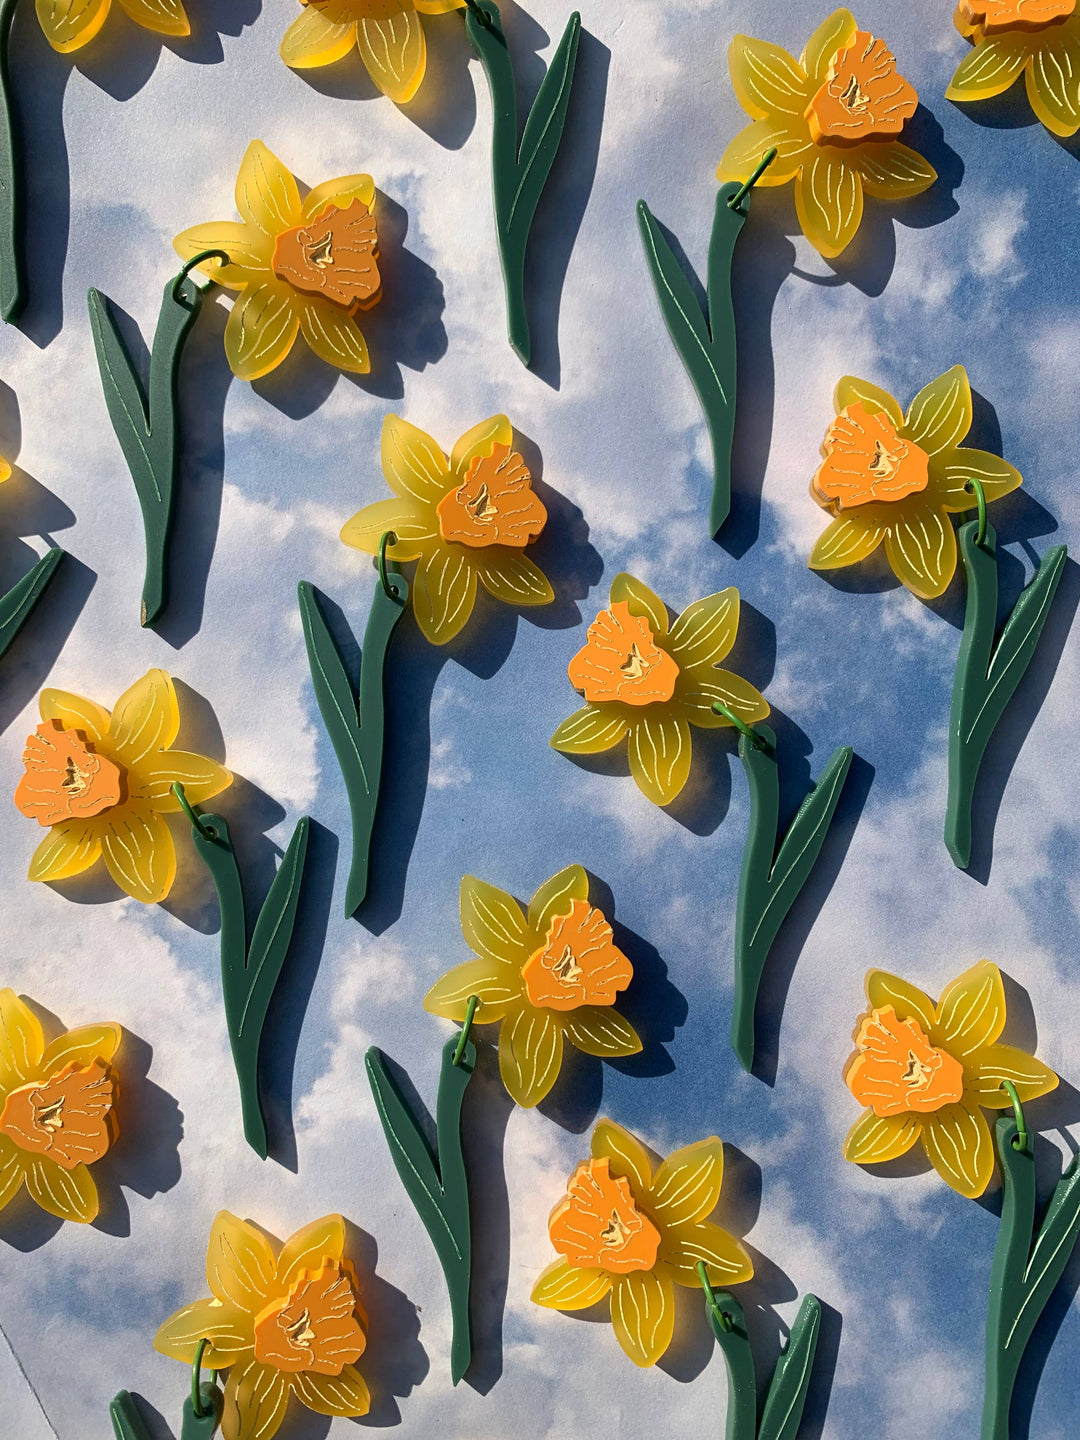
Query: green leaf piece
x,y
355,723
519,173
786,1400
436,1181
127,1420
128,1423
250,972
987,676
705,342
772,878
16,605
12,185
1023,1275
147,425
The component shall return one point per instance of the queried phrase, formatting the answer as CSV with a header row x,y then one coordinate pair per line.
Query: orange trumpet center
x,y
314,1327
332,255
622,661
494,505
65,778
995,17
896,1068
597,1223
68,1117
867,460
863,97
579,965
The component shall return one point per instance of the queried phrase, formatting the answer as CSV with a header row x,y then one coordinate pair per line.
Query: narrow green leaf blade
x,y
273,934
16,605
786,1400
12,184
127,1421
544,127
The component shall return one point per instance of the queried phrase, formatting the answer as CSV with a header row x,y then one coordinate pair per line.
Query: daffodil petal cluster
x,y
1046,54
70,24
388,34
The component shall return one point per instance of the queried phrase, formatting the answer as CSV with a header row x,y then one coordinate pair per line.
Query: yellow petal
x,y
641,601
248,248
695,692
829,203
164,17
590,730
70,1194
987,1069
556,897
201,778
846,541
22,1040
958,1144
413,524
70,24
940,415
1052,79
393,49
951,469
261,329
81,1047
971,1011
479,442
659,749
266,193
146,718
439,7
229,1328
414,466
767,80
921,548
993,65
256,1399
601,1030
625,1155
75,713
850,390
835,33
530,1054
496,986
726,1261
312,39
643,1315
333,335
893,171
492,922
309,1247
444,593
240,1266
140,854
344,1394
69,848
750,144
874,1139
686,1188
562,1286
909,1002
340,192
12,1171
512,577
705,631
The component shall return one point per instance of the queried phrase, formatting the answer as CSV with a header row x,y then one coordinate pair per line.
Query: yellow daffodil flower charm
x,y
71,24
301,267
466,519
625,1231
1039,39
893,478
101,785
284,1324
646,681
834,117
547,976
388,34
926,1072
57,1110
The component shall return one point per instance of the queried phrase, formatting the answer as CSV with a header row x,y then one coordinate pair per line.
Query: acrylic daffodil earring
x,y
1038,39
892,480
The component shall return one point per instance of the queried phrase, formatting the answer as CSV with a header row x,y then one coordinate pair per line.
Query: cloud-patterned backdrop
x,y
131,142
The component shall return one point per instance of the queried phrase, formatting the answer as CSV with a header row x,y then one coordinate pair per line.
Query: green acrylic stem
x,y
987,675
520,172
16,605
436,1181
128,1423
147,425
1024,1274
772,876
12,186
784,1405
250,972
355,723
706,342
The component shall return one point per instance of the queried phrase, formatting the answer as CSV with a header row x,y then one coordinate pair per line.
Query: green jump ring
x,y
1020,1140
186,269
975,487
197,822
389,538
723,1319
748,184
755,739
463,1038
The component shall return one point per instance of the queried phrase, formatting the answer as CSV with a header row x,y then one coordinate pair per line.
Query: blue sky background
x,y
135,142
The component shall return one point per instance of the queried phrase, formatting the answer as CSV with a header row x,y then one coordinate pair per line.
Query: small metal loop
x,y
463,1038
206,831
749,183
975,487
755,739
481,14
1020,1139
723,1319
389,538
196,1380
189,265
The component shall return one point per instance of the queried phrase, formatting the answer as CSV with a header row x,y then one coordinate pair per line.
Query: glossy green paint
x,y
987,675
520,172
355,722
1027,1266
772,875
128,1423
705,339
12,186
784,1405
250,971
147,425
436,1181
16,605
